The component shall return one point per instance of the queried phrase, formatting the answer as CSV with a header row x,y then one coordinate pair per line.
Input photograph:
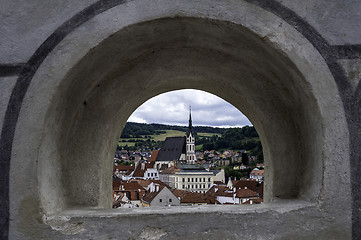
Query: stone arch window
x,y
268,77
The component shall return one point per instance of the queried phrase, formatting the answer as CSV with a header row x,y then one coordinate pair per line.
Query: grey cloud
x,y
173,108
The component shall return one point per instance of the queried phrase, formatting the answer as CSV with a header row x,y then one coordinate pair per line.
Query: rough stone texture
x,y
6,87
334,20
353,70
27,24
81,81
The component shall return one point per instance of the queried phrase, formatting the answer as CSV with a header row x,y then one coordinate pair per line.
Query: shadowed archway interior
x,y
99,93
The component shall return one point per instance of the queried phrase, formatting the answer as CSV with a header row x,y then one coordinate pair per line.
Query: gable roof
x,y
245,193
130,186
139,172
149,196
154,155
193,197
145,183
123,168
256,172
172,148
220,191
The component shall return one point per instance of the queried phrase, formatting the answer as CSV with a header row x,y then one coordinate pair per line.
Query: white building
x,y
192,179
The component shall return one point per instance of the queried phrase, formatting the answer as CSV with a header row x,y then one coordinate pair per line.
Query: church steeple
x,y
190,130
191,154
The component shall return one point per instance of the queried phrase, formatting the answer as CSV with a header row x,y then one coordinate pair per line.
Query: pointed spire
x,y
190,121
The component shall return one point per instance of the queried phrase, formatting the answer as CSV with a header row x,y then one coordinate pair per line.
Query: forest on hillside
x,y
209,138
136,130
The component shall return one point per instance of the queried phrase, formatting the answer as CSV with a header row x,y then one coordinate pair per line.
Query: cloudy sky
x,y
173,108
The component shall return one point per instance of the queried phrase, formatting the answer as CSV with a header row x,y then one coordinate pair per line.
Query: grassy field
x,y
170,133
209,134
122,144
162,137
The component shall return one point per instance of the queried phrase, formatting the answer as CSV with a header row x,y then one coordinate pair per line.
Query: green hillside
x,y
151,136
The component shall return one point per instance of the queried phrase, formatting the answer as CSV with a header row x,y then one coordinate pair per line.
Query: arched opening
x,y
149,58
200,153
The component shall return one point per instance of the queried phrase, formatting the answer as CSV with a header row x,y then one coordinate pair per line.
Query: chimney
x,y
157,188
143,166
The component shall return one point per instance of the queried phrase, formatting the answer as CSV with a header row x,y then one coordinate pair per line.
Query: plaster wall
x,y
275,61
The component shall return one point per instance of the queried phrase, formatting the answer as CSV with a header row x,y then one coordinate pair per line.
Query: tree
x,y
245,159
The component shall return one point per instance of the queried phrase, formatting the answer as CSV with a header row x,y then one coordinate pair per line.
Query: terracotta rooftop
x,y
153,156
149,196
245,193
252,184
139,171
257,172
171,170
145,183
130,186
123,168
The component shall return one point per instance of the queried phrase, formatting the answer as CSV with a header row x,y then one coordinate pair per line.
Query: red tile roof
x,y
116,185
149,196
216,190
257,172
139,172
145,183
130,186
245,193
171,170
252,184
193,197
154,155
123,168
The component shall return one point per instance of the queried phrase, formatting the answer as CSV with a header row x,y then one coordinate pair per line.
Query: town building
x,y
193,198
257,175
177,149
191,177
224,195
159,195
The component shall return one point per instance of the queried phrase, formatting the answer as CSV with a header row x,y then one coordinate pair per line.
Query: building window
x,y
183,180
196,179
204,179
188,180
183,186
209,179
160,200
192,179
170,200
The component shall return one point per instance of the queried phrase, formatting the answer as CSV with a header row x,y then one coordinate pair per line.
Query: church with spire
x,y
178,150
177,164
190,142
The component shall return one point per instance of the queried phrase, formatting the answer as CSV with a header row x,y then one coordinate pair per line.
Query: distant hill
x,y
136,130
207,138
